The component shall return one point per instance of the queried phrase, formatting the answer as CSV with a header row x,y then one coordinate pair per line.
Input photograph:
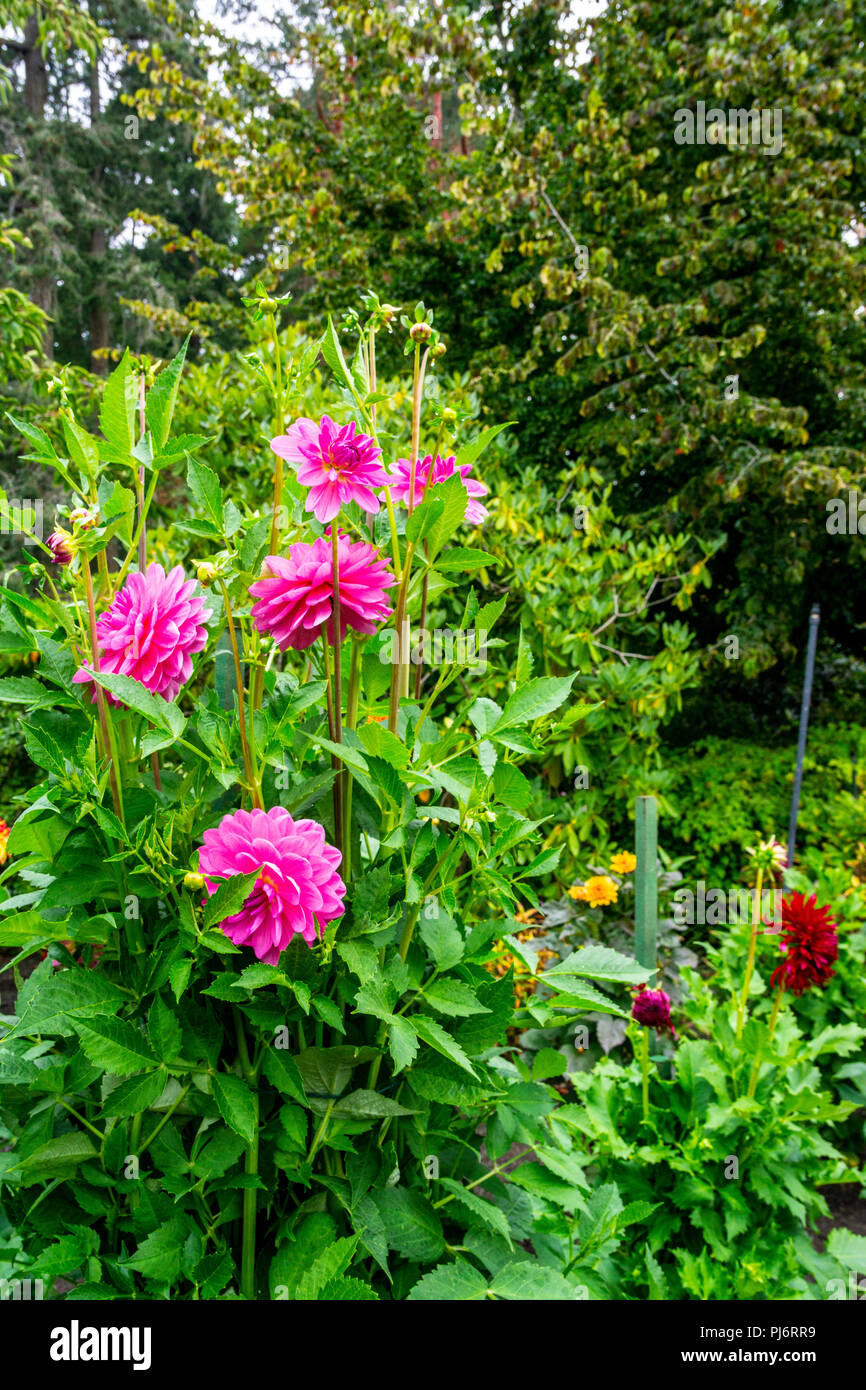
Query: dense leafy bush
x,y
347,1071
720,790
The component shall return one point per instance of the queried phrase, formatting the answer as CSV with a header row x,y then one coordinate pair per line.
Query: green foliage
x,y
325,1106
720,790
732,1178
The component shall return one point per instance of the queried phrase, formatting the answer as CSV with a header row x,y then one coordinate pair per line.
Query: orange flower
x,y
578,892
5,832
600,890
624,863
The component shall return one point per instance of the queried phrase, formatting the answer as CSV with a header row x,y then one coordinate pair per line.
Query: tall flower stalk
x,y
249,771
771,1028
104,722
645,1066
750,959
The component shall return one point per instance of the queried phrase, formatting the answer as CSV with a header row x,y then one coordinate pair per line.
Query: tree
x,y
84,158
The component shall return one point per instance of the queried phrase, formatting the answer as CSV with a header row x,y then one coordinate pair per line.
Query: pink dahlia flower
x,y
429,472
298,889
151,631
337,464
296,592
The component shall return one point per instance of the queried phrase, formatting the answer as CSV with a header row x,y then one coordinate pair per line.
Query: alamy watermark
x,y
846,516
714,907
441,647
737,126
22,516
76,1343
22,1290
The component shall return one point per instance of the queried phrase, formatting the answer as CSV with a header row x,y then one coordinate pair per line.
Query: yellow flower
x,y
600,890
623,863
578,892
5,832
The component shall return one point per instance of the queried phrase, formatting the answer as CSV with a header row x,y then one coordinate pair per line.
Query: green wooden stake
x,y
646,881
224,672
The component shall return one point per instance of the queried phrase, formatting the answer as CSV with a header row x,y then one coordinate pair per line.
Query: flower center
x,y
341,457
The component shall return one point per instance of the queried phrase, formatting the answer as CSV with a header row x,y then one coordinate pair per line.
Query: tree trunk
x,y
43,289
98,248
35,73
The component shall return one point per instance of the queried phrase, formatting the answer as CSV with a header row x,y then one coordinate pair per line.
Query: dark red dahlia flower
x,y
652,1008
809,945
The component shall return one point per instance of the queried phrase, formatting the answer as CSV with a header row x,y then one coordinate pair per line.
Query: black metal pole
x,y
814,620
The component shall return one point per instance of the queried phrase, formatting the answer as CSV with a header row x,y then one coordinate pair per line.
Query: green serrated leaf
x,y
236,1104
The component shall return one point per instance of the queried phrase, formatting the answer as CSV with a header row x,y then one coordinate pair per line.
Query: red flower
x,y
652,1008
810,945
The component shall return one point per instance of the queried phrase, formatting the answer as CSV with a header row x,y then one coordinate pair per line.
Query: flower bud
x,y
206,574
82,518
449,415
439,350
652,1009
62,546
420,332
195,882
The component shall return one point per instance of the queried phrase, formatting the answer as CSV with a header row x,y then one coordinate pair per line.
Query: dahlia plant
x,y
264,874
726,1136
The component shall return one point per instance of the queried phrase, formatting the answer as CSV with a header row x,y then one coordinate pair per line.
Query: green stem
x,y
279,428
320,1132
400,673
371,373
352,700
248,1239
239,681
756,1065
423,622
135,1132
164,1121
338,646
750,960
142,517
332,732
485,1177
81,1120
139,482
645,1065
100,693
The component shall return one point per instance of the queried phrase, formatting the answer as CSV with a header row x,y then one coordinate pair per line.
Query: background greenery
x,y
599,286
160,162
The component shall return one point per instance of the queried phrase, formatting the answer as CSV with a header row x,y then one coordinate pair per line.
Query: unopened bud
x,y
206,574
449,414
195,882
439,350
82,518
420,332
62,546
